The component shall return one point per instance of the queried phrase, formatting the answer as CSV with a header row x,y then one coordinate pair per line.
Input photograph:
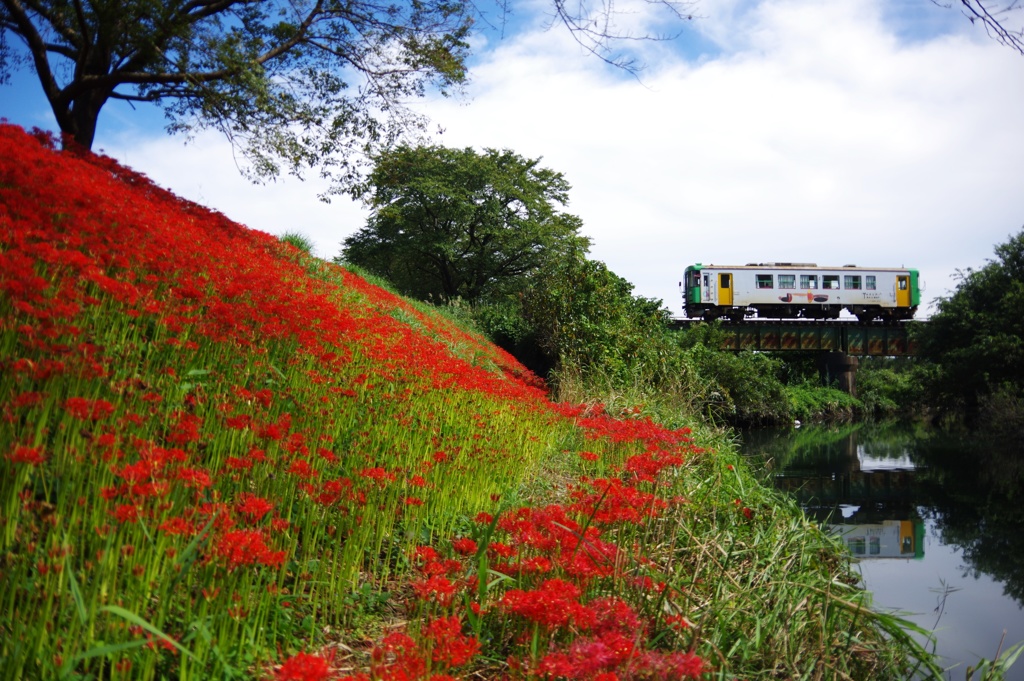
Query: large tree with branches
x,y
455,223
293,83
290,82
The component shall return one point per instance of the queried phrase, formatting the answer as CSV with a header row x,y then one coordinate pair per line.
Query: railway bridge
x,y
841,342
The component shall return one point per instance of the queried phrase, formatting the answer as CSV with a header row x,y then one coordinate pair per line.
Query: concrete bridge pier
x,y
841,368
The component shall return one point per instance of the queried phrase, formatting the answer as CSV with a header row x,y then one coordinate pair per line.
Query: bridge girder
x,y
846,336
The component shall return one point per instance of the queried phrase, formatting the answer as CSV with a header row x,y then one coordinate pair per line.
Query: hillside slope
x,y
225,459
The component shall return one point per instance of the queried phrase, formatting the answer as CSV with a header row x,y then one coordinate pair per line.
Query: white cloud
x,y
814,134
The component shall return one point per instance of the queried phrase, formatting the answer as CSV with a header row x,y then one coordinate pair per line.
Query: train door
x,y
725,288
903,290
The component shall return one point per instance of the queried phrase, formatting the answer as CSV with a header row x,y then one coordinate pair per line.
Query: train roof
x,y
799,266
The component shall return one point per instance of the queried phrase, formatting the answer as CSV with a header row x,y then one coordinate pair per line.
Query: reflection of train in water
x,y
885,539
799,290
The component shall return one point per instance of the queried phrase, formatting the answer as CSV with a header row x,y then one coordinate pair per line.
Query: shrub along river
x,y
936,520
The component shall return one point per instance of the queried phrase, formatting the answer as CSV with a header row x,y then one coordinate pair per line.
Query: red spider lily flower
x,y
27,399
677,622
588,456
426,554
447,643
500,550
185,430
536,565
613,615
240,422
464,546
378,474
253,507
177,526
295,443
88,410
33,456
435,589
126,513
553,604
246,547
306,667
237,464
668,666
195,478
302,469
397,658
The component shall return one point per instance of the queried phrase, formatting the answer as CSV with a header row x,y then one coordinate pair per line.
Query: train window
x,y
787,281
764,281
902,283
869,282
830,281
707,280
851,281
808,281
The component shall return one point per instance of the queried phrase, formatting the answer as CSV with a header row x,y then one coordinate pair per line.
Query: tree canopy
x,y
291,83
453,223
977,336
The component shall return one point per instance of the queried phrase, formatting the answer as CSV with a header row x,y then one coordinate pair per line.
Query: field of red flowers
x,y
224,459
210,441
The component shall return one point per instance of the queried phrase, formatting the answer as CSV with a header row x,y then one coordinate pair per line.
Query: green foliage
x,y
299,241
587,317
504,323
977,336
454,223
889,387
293,85
811,402
743,388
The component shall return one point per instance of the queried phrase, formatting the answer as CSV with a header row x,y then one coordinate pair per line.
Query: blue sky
x,y
881,133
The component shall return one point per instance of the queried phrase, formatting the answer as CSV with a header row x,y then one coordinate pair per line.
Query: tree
x,y
588,321
454,223
977,336
290,82
994,18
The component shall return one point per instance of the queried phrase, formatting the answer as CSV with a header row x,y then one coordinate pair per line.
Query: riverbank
x,y
226,459
932,517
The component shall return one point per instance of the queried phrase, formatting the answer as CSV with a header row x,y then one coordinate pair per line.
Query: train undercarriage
x,y
864,313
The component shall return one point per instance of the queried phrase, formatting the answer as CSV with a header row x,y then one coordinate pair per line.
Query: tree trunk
x,y
83,116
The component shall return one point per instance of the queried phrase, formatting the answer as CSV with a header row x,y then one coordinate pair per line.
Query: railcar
x,y
785,290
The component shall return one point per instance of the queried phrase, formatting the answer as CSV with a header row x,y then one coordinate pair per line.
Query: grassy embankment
x,y
225,459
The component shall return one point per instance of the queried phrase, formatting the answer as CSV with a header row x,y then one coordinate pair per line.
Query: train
x,y
790,290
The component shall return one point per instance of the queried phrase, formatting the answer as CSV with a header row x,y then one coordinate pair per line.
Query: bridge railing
x,y
850,337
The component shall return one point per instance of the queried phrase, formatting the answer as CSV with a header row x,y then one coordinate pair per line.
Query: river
x,y
935,519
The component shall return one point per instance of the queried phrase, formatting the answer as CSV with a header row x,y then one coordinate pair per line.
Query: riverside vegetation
x,y
223,458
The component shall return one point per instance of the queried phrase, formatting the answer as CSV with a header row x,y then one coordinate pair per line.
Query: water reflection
x,y
865,491
937,518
